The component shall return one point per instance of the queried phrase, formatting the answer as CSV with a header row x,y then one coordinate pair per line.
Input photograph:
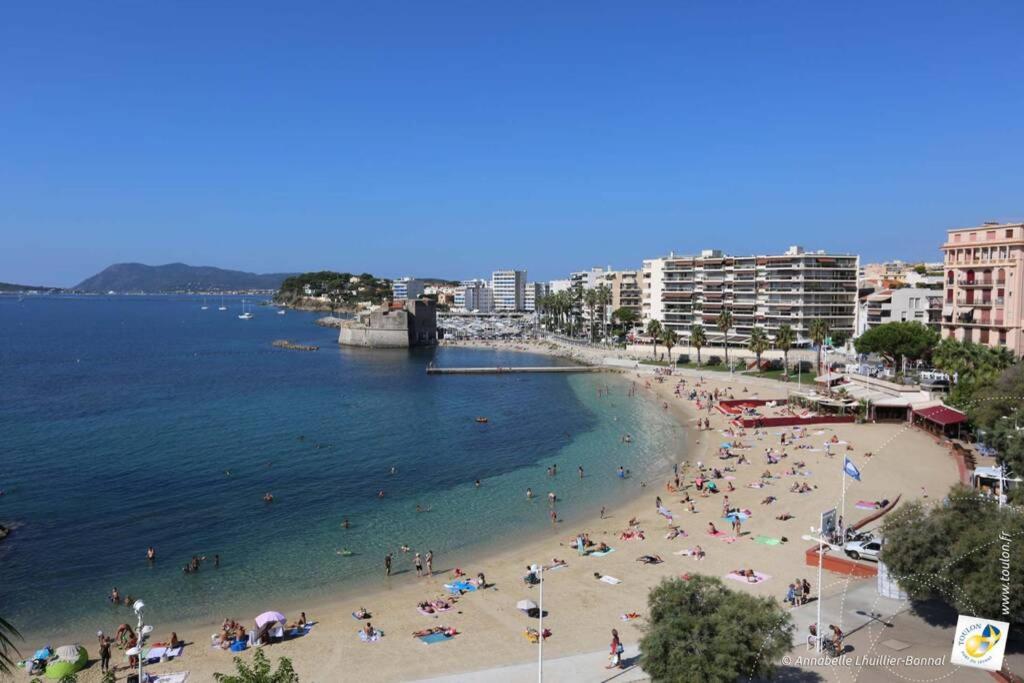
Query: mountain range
x,y
177,277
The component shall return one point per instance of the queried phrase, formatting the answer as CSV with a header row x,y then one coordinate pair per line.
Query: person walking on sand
x,y
418,563
429,559
387,564
602,512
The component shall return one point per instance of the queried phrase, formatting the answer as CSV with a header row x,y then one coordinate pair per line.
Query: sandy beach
x,y
581,609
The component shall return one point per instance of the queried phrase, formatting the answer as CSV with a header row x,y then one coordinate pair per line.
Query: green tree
x,y
669,339
972,366
952,552
626,316
898,340
8,650
921,269
818,331
784,339
724,322
698,339
701,631
654,331
759,343
604,299
590,299
260,671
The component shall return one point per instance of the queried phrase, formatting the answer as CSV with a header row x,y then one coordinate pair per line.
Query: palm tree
x,y
724,322
590,299
784,339
818,331
669,339
758,344
7,648
698,339
654,331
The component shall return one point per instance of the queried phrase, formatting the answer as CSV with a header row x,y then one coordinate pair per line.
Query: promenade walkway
x,y
584,668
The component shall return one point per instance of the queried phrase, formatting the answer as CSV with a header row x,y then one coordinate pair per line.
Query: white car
x,y
864,550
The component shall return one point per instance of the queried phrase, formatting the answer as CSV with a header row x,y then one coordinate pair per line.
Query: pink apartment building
x,y
984,290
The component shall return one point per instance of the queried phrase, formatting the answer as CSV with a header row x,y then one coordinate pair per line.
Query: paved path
x,y
585,668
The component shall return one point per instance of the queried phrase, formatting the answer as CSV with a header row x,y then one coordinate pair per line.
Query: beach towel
x,y
729,539
602,553
460,586
742,579
177,677
435,638
156,653
377,635
611,580
768,540
865,505
359,618
729,477
629,617
717,534
551,567
663,511
732,516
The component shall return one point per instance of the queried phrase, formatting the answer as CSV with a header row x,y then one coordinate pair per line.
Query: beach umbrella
x,y
269,618
70,659
526,605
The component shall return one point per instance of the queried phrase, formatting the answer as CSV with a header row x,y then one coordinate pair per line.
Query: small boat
x,y
482,420
245,315
281,312
222,306
204,306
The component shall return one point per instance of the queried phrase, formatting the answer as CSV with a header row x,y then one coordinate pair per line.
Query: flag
x,y
851,469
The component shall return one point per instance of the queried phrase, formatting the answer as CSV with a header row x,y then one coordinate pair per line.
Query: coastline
x,y
581,610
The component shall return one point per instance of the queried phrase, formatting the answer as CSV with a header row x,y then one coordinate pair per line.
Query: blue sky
x,y
452,138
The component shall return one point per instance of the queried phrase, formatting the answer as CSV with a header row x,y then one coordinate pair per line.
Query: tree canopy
x,y
699,630
952,552
972,366
259,671
898,340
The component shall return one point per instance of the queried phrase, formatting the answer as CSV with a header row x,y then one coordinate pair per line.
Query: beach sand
x,y
582,610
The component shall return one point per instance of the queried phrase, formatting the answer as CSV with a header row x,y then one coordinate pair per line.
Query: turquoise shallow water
x,y
134,421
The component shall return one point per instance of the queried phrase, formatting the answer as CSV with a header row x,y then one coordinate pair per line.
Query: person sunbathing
x,y
425,607
698,552
370,631
711,528
650,559
768,501
428,631
174,642
361,613
602,547
784,517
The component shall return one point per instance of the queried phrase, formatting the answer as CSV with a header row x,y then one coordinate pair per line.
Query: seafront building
x,y
766,291
984,285
535,291
398,325
474,295
906,304
407,288
625,290
509,290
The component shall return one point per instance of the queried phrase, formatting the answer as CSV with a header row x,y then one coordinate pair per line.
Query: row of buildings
x,y
974,294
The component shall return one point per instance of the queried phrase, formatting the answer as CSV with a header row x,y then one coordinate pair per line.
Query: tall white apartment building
x,y
474,295
556,286
793,288
535,291
407,288
509,288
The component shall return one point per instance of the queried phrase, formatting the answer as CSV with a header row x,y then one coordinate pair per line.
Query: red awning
x,y
942,415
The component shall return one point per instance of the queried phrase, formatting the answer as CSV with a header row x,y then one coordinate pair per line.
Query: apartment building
x,y
509,287
984,292
535,291
907,304
474,295
407,288
625,290
793,288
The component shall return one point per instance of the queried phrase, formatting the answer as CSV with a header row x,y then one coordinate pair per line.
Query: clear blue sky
x,y
451,138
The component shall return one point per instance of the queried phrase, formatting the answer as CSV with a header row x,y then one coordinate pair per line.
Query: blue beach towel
x,y
460,586
733,515
602,553
434,638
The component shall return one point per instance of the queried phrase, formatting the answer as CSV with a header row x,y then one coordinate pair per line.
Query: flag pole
x,y
540,627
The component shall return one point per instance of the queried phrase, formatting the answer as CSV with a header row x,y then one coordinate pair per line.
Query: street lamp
x,y
821,553
144,630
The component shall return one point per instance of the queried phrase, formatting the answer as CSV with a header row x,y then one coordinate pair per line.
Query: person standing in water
x,y
529,493
580,468
387,564
430,562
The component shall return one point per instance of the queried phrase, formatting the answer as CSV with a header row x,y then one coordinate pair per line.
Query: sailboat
x,y
245,315
222,306
280,311
204,306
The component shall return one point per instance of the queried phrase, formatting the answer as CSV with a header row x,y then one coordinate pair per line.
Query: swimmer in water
x,y
268,497
380,494
394,470
344,523
404,548
529,494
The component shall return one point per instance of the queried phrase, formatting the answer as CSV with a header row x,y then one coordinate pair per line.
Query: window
x,y
974,237
990,235
1009,233
956,237
1002,337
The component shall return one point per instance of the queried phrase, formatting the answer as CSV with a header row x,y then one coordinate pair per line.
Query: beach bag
x,y
619,649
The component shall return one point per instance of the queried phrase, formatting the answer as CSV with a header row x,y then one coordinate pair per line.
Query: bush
x,y
714,360
683,359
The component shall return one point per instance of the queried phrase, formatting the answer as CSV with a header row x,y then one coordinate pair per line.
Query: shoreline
x,y
581,611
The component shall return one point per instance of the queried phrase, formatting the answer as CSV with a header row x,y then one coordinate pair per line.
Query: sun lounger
x,y
611,580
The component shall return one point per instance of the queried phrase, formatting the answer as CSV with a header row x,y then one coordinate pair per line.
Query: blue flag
x,y
851,469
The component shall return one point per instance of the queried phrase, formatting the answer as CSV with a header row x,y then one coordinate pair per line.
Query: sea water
x,y
128,422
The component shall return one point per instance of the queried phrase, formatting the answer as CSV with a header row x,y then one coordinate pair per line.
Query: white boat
x,y
222,306
245,315
204,306
281,312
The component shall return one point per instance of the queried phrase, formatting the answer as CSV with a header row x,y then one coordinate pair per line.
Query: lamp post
x,y
817,626
143,630
540,626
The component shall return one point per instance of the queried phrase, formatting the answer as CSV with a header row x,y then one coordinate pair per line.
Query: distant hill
x,y
8,287
176,277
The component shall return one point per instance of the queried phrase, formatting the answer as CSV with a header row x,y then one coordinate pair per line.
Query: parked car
x,y
864,550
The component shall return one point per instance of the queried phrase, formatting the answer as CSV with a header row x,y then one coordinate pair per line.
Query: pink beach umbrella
x,y
270,618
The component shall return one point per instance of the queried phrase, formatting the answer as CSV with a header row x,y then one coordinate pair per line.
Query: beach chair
x,y
278,632
253,639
